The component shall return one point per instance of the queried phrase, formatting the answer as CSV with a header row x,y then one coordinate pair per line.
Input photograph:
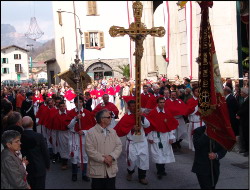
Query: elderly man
x,y
243,116
34,147
152,102
103,147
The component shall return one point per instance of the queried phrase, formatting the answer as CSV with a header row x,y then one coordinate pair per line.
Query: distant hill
x,y
9,36
39,51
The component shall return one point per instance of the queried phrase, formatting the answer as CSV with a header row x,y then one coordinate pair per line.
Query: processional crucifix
x,y
137,32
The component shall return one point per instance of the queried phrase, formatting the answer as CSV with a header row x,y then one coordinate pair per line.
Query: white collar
x,y
145,93
195,98
62,112
158,109
129,113
156,95
77,110
227,96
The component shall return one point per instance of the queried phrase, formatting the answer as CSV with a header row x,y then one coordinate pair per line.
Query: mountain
x,y
39,51
9,36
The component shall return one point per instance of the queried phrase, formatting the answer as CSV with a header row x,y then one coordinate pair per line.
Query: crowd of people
x,y
56,124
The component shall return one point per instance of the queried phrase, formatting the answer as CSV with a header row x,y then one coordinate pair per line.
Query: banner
x,y
212,104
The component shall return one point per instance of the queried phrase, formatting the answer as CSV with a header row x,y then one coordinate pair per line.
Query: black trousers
x,y
141,173
103,183
36,182
160,169
205,181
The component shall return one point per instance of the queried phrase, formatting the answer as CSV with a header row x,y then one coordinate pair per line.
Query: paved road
x,y
179,174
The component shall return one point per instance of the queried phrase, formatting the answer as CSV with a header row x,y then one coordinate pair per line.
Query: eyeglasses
x,y
107,117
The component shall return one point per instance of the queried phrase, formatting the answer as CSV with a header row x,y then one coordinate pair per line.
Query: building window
x,y
18,68
60,18
94,40
4,60
62,46
17,56
92,8
5,70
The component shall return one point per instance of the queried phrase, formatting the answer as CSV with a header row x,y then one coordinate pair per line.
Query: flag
x,y
82,53
212,104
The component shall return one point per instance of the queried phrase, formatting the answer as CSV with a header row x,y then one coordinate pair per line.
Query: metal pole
x,y
240,68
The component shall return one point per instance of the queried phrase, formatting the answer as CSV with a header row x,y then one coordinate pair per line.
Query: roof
x,y
50,61
14,46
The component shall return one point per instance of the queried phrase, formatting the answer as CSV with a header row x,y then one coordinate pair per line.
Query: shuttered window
x,y
94,40
62,46
92,8
4,60
5,70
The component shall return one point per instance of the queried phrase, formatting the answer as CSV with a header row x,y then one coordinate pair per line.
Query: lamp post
x,y
30,57
77,68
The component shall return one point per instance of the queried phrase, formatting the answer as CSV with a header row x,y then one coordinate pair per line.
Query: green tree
x,y
124,70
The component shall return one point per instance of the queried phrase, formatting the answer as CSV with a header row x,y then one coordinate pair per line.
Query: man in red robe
x,y
69,95
99,93
109,106
136,145
77,137
60,123
162,124
145,96
152,102
111,92
177,108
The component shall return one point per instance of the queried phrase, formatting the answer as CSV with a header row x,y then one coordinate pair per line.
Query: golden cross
x,y
137,32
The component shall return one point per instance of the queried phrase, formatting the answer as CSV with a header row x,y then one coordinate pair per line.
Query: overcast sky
x,y
18,14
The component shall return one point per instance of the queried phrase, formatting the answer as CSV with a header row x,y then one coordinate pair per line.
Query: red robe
x,y
152,102
87,121
99,93
177,107
161,122
41,114
117,88
59,122
127,98
191,104
48,117
93,94
109,106
40,98
50,94
124,126
144,99
110,91
69,95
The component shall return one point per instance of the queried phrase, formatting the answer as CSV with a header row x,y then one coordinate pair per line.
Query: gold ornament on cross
x,y
137,32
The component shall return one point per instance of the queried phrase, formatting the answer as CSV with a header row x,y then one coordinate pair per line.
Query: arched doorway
x,y
99,70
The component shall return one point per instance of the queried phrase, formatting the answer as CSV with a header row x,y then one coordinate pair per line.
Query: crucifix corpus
x,y
137,32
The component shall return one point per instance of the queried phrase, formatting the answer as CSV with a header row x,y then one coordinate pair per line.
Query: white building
x,y
14,63
173,54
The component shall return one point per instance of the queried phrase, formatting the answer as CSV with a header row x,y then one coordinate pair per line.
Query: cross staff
x,y
137,32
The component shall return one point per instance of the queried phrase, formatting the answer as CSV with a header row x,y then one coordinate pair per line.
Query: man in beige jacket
x,y
103,147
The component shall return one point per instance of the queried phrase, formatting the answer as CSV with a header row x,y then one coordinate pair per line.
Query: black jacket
x,y
201,163
233,108
34,147
244,113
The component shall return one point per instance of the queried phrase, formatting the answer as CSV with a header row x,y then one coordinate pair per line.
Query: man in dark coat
x,y
243,116
203,158
27,108
35,149
233,107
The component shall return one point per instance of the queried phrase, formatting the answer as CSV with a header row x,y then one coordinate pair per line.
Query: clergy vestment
x,y
136,152
178,108
110,107
69,95
194,119
87,122
40,116
60,123
99,93
144,99
111,92
152,102
162,124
